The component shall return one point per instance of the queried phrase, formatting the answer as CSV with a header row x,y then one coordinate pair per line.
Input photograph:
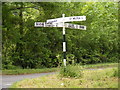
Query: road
x,y
8,80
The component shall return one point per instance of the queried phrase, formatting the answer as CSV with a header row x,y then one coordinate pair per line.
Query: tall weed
x,y
71,71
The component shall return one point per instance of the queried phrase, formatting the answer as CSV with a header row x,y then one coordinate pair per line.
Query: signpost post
x,y
64,42
60,22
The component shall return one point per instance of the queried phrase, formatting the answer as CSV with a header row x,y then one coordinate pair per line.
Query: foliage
x,y
71,71
116,73
26,46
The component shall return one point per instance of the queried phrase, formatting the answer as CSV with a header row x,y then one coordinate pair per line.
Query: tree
x,y
25,46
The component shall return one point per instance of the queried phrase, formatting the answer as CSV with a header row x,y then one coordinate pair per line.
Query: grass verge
x,y
30,71
100,65
101,78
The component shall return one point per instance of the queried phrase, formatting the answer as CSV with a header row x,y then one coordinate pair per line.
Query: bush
x,y
113,59
71,71
70,58
11,67
116,72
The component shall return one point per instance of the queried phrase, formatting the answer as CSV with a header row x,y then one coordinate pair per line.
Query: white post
x,y
64,43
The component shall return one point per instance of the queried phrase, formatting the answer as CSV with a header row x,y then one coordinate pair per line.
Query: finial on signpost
x,y
63,15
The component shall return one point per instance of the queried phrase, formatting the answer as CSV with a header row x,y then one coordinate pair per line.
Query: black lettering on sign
x,y
70,25
55,21
70,18
73,26
37,24
77,18
82,27
49,25
56,25
52,21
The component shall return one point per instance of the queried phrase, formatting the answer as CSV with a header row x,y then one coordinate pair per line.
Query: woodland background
x,y
25,46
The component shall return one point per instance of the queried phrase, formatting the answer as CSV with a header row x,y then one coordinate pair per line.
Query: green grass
x,y
30,71
100,65
101,78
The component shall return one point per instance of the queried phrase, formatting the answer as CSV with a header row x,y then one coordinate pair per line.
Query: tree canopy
x,y
25,46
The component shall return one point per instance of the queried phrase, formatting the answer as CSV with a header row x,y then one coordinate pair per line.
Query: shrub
x,y
71,58
71,71
116,72
9,66
113,59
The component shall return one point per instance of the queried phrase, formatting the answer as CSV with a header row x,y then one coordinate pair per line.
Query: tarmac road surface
x,y
8,80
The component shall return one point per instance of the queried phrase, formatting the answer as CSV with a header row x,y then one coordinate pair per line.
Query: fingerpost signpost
x,y
60,22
